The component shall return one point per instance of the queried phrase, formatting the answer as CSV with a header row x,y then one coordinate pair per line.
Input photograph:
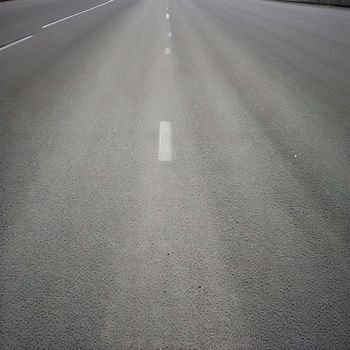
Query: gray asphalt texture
x,y
241,241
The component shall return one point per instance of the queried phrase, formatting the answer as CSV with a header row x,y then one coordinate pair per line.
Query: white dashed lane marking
x,y
15,42
76,14
164,153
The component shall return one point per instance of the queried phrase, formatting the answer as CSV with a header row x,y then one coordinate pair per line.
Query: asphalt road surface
x,y
174,175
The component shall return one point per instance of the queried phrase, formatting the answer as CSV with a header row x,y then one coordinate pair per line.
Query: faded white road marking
x,y
167,51
167,16
76,14
170,34
15,42
164,142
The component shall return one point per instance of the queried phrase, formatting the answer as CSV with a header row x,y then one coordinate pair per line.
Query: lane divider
x,y
13,43
164,153
76,14
4,47
167,51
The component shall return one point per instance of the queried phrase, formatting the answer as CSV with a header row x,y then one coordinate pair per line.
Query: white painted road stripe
x,y
167,16
167,51
170,34
15,42
164,142
76,14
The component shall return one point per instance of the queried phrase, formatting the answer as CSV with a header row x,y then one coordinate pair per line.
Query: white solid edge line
x,y
15,42
76,14
164,154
